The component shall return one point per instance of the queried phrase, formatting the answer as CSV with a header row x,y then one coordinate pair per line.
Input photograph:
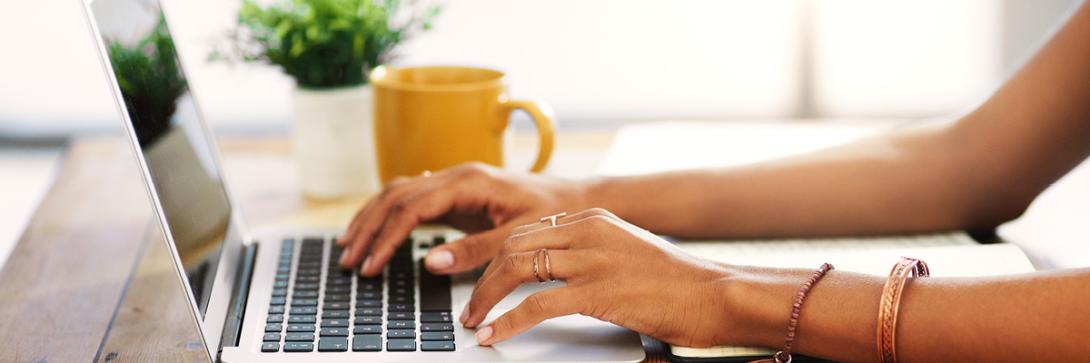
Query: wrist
x,y
758,305
600,193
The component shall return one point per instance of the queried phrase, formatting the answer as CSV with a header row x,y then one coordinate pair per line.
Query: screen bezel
x,y
215,314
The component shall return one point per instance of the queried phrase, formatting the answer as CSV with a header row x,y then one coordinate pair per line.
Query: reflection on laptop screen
x,y
171,135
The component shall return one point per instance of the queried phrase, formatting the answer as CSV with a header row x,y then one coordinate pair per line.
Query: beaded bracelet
x,y
784,356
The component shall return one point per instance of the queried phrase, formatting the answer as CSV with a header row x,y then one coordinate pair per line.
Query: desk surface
x,y
89,278
89,245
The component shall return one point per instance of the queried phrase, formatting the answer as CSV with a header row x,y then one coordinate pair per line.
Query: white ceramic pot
x,y
334,142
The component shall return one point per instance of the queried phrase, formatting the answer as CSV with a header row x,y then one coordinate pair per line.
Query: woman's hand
x,y
481,200
614,271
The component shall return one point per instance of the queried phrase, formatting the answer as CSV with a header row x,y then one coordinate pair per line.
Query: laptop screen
x,y
171,136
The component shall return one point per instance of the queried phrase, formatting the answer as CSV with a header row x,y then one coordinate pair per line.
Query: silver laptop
x,y
277,294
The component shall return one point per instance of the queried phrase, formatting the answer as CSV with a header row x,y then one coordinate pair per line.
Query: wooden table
x,y
91,279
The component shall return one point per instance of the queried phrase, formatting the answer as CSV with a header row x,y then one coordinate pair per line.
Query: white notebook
x,y
953,254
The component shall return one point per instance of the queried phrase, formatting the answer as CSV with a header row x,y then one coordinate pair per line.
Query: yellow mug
x,y
430,118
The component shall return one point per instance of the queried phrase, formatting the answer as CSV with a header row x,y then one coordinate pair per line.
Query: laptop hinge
x,y
232,328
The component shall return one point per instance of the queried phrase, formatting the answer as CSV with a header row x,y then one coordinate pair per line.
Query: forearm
x,y
1033,317
905,182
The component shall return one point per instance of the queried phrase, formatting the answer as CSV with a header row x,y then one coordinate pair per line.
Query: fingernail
x,y
439,259
344,257
366,265
465,314
483,334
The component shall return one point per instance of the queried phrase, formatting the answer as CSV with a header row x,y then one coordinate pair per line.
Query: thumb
x,y
467,253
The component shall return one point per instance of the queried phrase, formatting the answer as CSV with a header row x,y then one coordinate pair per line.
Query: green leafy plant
x,y
150,79
325,43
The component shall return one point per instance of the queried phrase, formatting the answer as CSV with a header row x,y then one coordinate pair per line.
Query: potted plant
x,y
328,47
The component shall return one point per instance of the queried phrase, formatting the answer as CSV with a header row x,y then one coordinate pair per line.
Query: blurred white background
x,y
598,62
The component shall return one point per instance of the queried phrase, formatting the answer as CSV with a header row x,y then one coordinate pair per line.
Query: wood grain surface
x,y
91,278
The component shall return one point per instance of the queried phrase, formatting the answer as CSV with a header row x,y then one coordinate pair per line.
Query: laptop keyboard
x,y
319,306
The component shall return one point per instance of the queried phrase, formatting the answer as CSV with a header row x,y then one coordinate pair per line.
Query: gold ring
x,y
552,219
536,274
548,266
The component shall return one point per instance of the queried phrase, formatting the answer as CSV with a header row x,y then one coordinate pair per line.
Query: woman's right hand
x,y
484,201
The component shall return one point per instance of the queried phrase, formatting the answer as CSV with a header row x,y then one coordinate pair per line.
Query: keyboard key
x,y
435,317
437,346
367,329
402,300
305,294
368,320
299,287
334,323
274,318
302,319
369,295
300,328
401,307
337,297
402,316
368,312
304,310
436,327
334,332
335,306
333,344
338,290
299,337
298,347
274,328
401,324
401,345
436,335
434,291
304,302
335,314
305,279
276,309
280,292
271,337
400,333
369,304
280,300
270,347
366,343
369,286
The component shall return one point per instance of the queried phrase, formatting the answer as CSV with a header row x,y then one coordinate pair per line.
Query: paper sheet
x,y
665,146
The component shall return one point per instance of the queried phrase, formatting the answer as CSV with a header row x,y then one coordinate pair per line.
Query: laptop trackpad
x,y
574,335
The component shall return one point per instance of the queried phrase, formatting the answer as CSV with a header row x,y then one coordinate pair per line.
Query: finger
x,y
357,220
532,311
405,215
514,270
514,244
375,215
467,253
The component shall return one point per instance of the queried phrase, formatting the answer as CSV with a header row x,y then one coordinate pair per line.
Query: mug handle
x,y
546,127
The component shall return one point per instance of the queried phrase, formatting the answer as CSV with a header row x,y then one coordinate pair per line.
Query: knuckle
x,y
537,303
511,263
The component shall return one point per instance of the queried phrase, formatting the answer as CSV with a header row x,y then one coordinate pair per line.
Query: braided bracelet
x,y
891,301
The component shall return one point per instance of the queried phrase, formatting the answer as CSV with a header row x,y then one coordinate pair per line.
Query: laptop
x,y
276,294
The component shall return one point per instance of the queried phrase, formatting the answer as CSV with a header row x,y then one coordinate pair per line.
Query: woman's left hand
x,y
614,271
